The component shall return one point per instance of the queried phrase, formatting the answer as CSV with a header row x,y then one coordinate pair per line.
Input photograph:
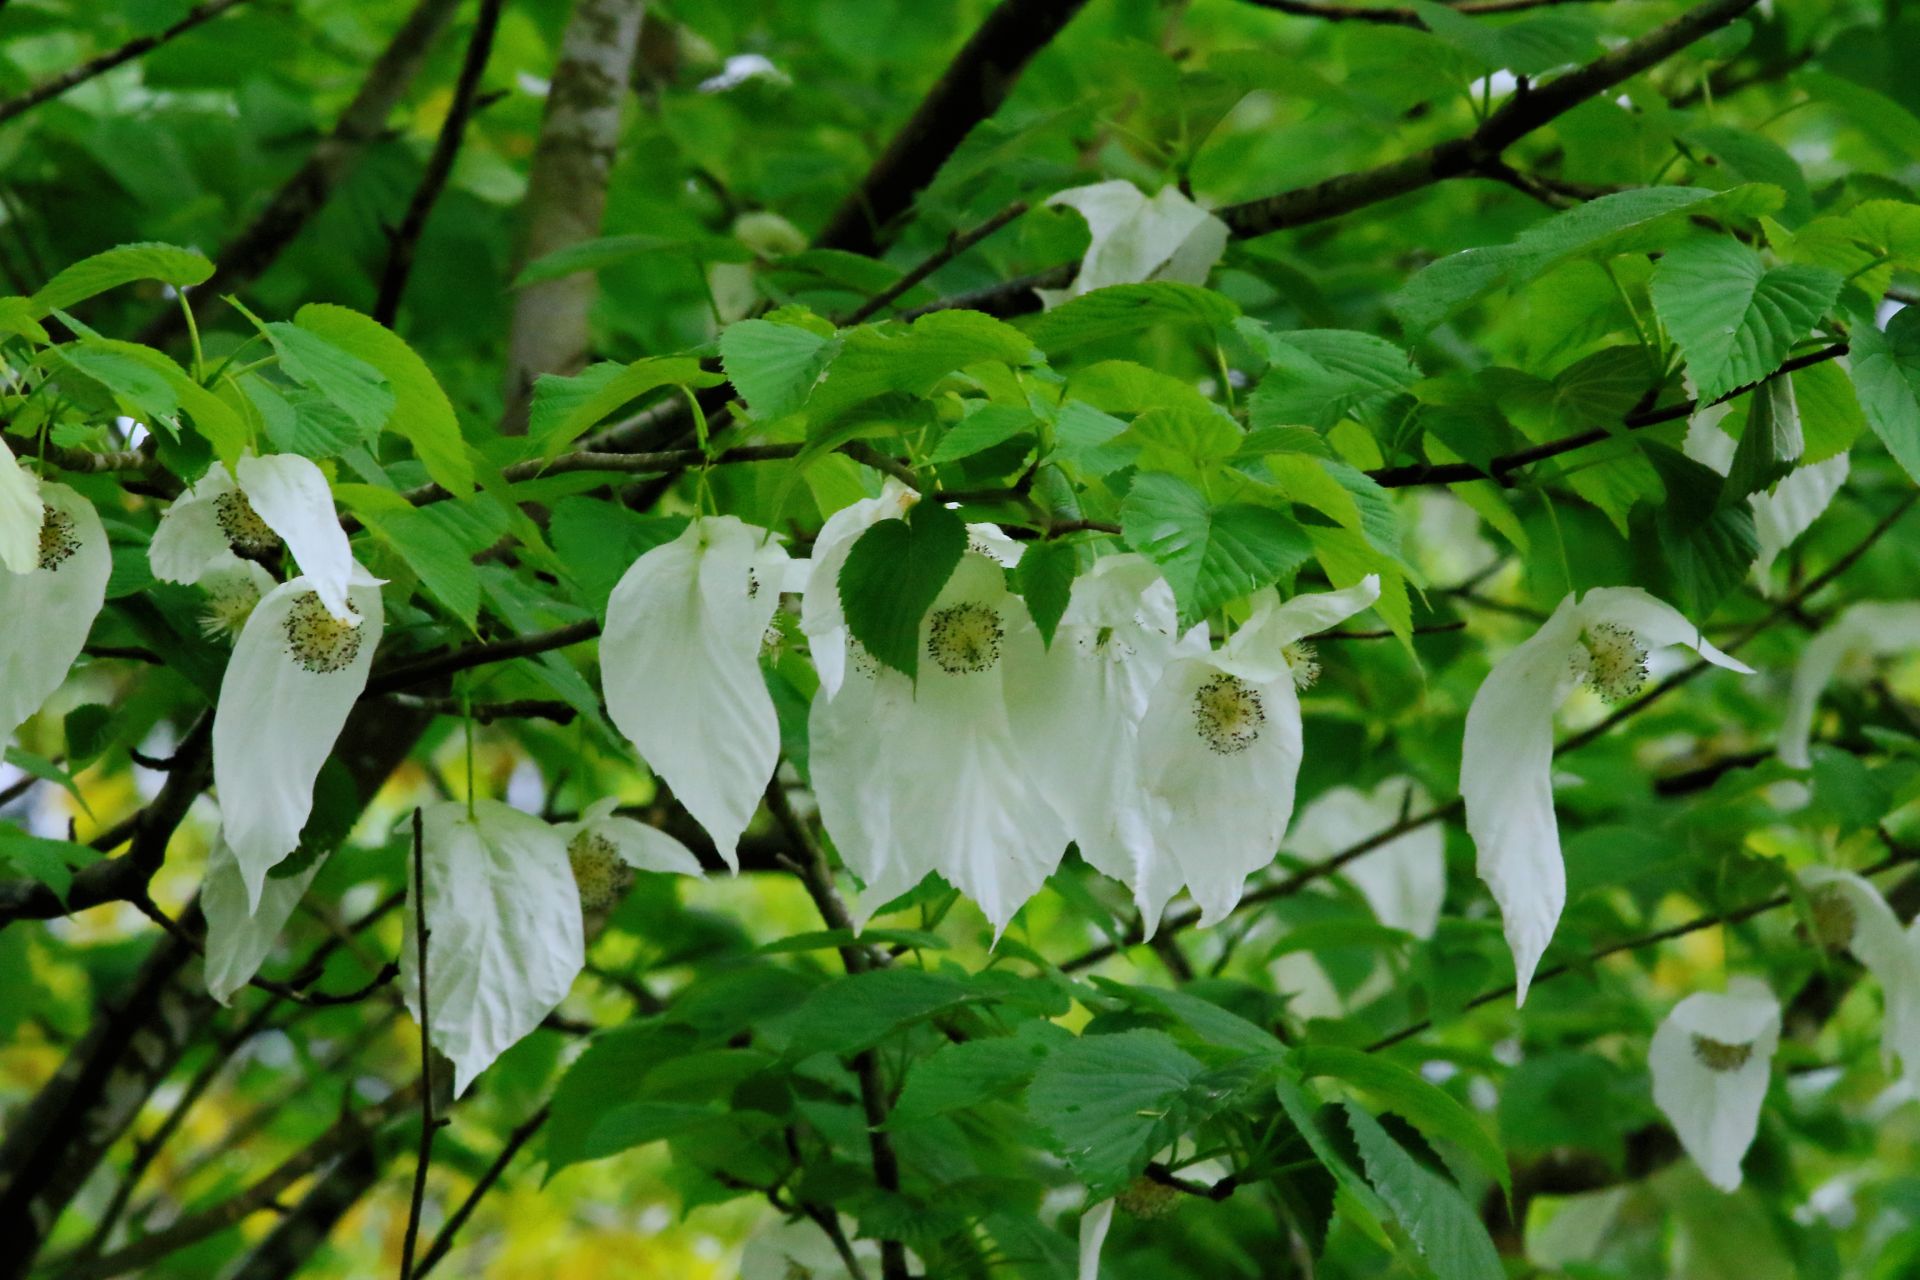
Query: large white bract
x,y
1506,765
1137,238
48,610
1710,1061
1869,629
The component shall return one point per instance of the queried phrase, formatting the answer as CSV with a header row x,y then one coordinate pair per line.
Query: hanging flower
x,y
930,775
20,515
50,607
296,672
232,592
1220,750
1506,766
1850,915
1168,237
505,938
1710,1061
680,659
1080,706
1863,631
821,617
605,849
239,936
1784,512
278,499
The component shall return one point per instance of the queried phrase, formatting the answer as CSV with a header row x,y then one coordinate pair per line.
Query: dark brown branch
x,y
1329,11
957,243
290,208
427,1123
971,89
443,1241
1498,469
479,655
446,147
53,88
488,712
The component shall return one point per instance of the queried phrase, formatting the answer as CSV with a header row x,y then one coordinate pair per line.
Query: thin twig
x,y
446,147
956,244
53,88
443,1241
479,655
427,1125
1332,12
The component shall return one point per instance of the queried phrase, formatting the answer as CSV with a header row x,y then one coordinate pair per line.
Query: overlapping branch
x,y
52,88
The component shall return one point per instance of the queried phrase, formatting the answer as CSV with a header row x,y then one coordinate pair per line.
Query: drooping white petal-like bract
x,y
1710,1061
46,612
1849,914
1167,237
20,515
640,846
1080,707
1787,510
504,932
290,493
1220,751
295,674
821,618
1094,1225
1868,629
680,660
239,938
1405,878
1506,764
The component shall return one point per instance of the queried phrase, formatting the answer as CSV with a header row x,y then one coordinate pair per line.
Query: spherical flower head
x,y
1304,661
1148,1200
318,641
602,876
1228,714
1719,1055
964,638
231,596
1610,660
249,535
59,538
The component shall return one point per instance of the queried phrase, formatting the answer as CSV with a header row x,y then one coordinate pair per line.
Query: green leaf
x,y
1706,544
1044,578
892,576
1770,444
774,366
223,428
1886,376
1431,1210
831,939
598,542
988,425
1315,377
1427,1106
143,391
1108,1103
89,729
1124,309
181,268
1879,117
1210,555
1191,443
609,390
858,1011
1736,319
596,1111
878,359
1745,156
51,862
357,388
965,1075
421,413
1611,224
1527,48
1084,439
1830,414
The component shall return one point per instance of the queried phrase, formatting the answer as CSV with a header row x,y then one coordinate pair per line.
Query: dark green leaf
x,y
1210,555
892,577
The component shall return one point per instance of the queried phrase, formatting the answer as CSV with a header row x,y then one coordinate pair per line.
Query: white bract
x,y
1220,750
48,610
1135,239
240,937
295,674
1850,915
604,849
1506,764
931,775
1094,1225
1787,510
1710,1062
1863,631
822,620
504,932
279,498
680,660
1081,706
20,515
